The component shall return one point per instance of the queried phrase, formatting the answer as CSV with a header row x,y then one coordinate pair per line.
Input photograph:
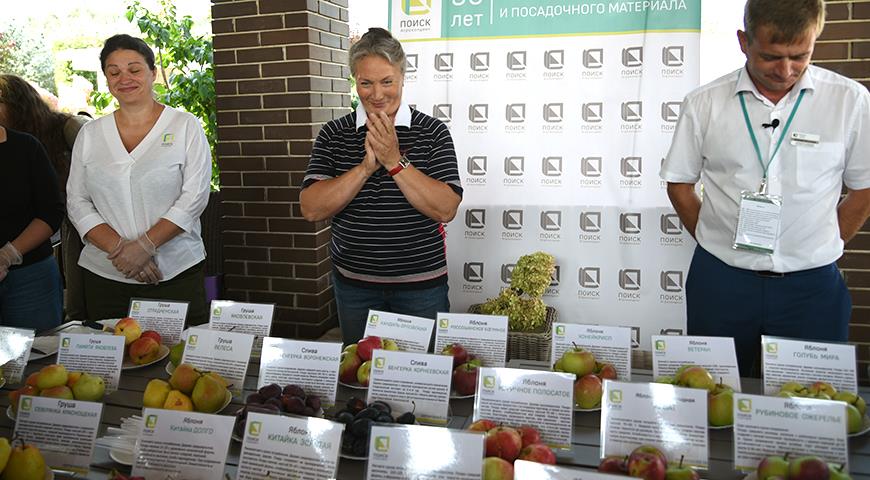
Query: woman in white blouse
x,y
138,182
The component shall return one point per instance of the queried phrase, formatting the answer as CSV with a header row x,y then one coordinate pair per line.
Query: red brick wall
x,y
281,72
844,47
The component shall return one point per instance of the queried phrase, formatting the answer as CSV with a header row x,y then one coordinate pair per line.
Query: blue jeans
x,y
354,304
32,296
724,301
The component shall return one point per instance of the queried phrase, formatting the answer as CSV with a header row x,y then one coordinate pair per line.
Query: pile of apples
x,y
21,461
505,444
720,396
54,381
591,374
188,389
808,467
649,463
142,347
356,359
272,399
465,368
856,407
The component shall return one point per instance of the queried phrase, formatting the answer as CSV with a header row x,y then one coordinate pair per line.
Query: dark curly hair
x,y
27,112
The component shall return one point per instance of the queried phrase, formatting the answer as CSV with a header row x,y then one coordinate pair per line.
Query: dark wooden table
x,y
127,401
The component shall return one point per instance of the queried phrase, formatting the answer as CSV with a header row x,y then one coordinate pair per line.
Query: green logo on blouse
x,y
168,139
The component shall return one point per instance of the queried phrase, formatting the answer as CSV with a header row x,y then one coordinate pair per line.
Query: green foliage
x,y
522,302
185,63
24,53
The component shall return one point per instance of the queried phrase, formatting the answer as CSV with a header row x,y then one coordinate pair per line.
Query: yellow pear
x,y
223,381
25,463
5,451
184,378
208,394
156,393
177,400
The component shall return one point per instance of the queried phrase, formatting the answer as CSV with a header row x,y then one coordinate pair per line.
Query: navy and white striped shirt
x,y
379,237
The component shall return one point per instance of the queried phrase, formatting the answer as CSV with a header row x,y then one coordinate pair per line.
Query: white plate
x,y
129,365
723,427
865,427
9,413
578,409
169,368
227,400
355,386
456,396
46,344
121,457
353,457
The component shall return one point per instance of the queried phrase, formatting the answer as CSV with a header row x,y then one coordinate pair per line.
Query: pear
x,y
209,394
184,378
177,400
5,451
176,352
89,388
25,463
156,393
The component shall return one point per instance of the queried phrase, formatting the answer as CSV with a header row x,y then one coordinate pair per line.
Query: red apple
x,y
530,435
647,462
367,345
614,464
350,363
482,425
144,350
460,354
495,468
808,468
465,379
152,334
504,442
587,391
605,371
538,452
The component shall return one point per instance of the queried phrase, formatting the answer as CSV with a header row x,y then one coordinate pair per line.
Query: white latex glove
x,y
9,255
131,256
150,273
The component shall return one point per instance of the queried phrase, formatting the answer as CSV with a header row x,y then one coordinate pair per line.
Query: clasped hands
x,y
135,259
381,144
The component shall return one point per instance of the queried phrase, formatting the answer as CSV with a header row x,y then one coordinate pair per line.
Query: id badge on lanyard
x,y
760,213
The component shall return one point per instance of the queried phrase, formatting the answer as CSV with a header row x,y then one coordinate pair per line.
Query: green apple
x,y
838,472
822,387
559,366
793,387
720,406
667,379
679,472
854,419
578,361
773,466
696,377
852,399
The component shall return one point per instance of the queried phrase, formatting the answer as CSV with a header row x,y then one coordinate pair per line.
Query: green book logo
x,y
217,311
744,405
443,322
382,444
192,339
254,428
616,396
380,362
373,320
151,421
65,343
489,381
135,307
772,348
660,345
26,404
560,330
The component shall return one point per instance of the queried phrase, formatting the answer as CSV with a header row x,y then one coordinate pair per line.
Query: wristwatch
x,y
403,164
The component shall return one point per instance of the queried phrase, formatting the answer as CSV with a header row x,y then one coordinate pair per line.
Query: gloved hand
x,y
150,273
9,255
131,256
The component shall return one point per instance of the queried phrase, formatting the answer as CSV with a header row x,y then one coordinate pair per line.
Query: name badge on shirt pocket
x,y
806,139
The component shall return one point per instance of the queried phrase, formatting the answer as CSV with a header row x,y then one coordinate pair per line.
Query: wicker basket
x,y
529,345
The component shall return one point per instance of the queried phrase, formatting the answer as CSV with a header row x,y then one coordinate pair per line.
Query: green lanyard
x,y
764,167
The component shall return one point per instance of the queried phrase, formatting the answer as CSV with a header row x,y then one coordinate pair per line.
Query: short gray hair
x,y
380,42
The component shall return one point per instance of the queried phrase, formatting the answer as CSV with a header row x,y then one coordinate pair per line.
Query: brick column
x,y
844,47
280,71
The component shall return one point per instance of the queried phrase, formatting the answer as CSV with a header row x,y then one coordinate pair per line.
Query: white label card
x,y
311,365
527,397
485,336
400,378
163,316
540,471
251,318
289,447
64,430
226,353
758,222
15,346
608,344
412,334
786,360
671,418
99,354
406,452
766,426
715,354
187,445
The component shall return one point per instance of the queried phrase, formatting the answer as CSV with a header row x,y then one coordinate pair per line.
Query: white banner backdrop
x,y
560,125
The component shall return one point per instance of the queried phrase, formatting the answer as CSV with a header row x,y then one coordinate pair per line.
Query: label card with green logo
x,y
289,447
98,354
798,426
671,418
540,471
608,344
189,445
15,346
407,452
412,334
311,365
239,317
528,397
790,360
405,379
166,317
226,353
715,354
485,336
64,430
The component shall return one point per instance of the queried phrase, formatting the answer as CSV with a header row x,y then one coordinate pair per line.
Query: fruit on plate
x,y
357,354
25,462
144,350
590,375
60,391
358,417
504,442
587,391
576,360
209,393
90,388
696,377
465,379
155,393
152,334
367,345
51,376
273,399
807,467
647,462
495,468
459,353
348,366
852,399
508,444
184,378
129,328
720,405
176,353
